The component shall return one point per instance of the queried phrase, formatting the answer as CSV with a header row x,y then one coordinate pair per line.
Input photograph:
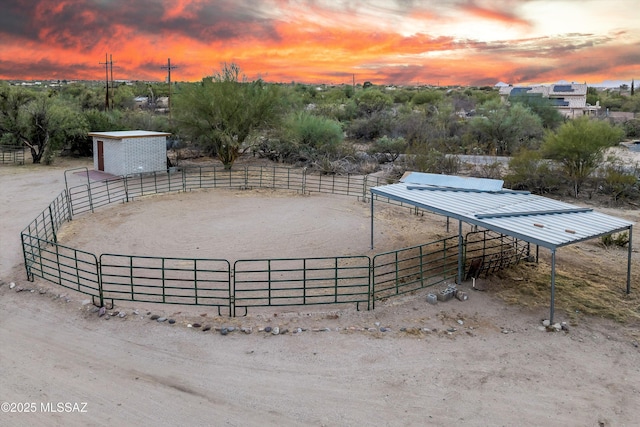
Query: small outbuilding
x,y
129,152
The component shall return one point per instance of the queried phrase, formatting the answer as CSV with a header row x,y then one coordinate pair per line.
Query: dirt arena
x,y
474,363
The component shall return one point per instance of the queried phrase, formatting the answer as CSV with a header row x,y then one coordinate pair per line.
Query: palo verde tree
x,y
579,146
506,129
42,121
224,112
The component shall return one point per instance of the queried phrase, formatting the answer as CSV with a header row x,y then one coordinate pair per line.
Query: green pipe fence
x,y
186,281
410,269
12,154
302,281
358,280
492,251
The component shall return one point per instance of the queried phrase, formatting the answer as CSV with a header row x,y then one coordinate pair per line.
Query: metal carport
x,y
538,220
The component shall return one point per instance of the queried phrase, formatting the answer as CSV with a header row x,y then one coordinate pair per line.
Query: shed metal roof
x,y
542,221
122,134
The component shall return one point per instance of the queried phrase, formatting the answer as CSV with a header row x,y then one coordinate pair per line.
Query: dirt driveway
x,y
473,363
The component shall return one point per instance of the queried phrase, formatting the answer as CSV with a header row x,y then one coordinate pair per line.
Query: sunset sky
x,y
445,42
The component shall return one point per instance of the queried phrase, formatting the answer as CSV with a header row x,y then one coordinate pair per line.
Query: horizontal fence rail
x,y
358,280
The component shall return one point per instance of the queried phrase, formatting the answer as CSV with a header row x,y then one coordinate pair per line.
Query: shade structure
x,y
485,203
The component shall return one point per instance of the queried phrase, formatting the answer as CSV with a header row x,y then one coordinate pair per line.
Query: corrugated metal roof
x,y
545,222
451,181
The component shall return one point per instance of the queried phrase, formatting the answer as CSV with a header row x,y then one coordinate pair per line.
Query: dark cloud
x,y
84,23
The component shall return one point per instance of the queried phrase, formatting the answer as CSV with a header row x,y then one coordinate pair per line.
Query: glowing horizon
x,y
448,42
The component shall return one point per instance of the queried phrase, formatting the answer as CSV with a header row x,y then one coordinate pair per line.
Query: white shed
x,y
129,152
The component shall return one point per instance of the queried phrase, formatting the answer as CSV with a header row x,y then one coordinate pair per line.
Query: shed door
x,y
101,156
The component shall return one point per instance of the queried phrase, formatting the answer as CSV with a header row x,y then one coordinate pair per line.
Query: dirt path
x,y
471,363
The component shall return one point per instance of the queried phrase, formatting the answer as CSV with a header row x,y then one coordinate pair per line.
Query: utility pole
x,y
106,72
169,68
112,85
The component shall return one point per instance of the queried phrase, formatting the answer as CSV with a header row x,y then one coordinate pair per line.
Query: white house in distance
x,y
129,151
570,99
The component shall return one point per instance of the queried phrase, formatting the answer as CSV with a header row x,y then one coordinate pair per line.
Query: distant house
x,y
129,152
570,99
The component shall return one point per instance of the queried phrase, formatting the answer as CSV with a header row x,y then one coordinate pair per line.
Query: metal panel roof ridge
x,y
467,190
528,213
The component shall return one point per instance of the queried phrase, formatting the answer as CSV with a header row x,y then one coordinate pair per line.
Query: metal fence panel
x,y
188,281
68,267
409,269
12,154
301,281
486,252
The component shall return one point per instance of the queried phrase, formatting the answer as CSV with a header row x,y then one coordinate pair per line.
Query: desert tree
x,y
579,146
41,121
224,111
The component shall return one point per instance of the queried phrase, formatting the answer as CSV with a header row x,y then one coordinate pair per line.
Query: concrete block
x,y
445,294
432,299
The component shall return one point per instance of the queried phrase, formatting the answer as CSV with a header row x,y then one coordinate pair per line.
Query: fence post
x,y
126,189
304,180
53,226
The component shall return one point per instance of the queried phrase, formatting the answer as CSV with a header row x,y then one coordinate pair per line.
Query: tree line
x,y
345,128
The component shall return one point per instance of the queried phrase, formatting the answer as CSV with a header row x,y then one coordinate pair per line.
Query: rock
x,y
122,314
377,324
564,326
206,328
462,296
172,321
432,298
542,328
231,328
451,330
546,323
161,319
12,285
247,330
94,309
42,291
275,330
196,325
383,329
557,327
102,311
154,317
19,289
460,322
299,330
135,312
267,329
224,331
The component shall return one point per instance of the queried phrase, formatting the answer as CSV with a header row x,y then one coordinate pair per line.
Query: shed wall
x,y
132,155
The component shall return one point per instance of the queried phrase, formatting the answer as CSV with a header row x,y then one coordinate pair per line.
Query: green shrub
x,y
620,239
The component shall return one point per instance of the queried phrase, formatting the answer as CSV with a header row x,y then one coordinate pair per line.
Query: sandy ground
x,y
474,363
